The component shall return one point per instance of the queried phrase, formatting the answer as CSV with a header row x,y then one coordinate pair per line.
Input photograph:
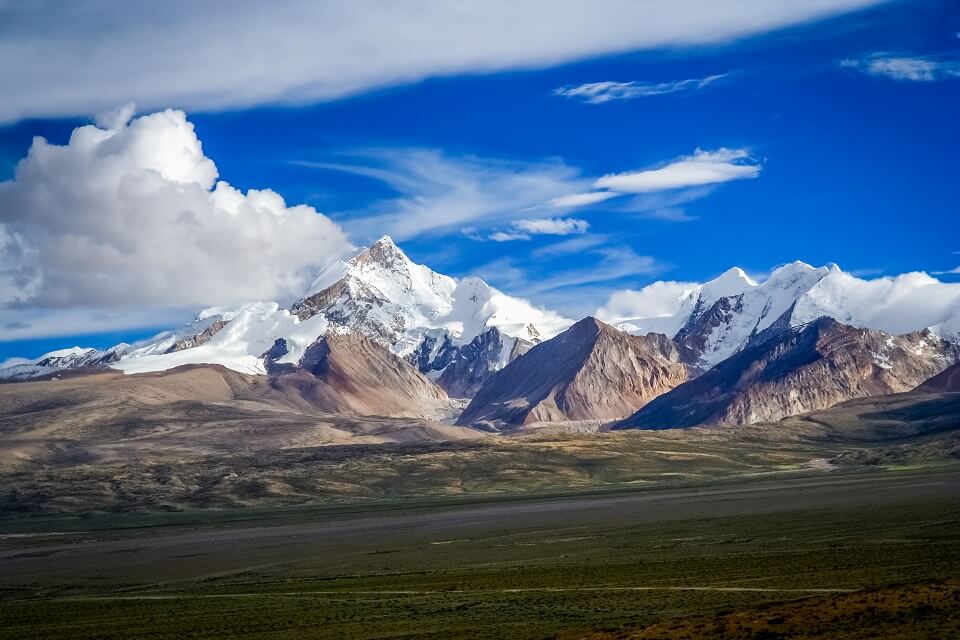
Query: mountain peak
x,y
383,251
590,371
590,323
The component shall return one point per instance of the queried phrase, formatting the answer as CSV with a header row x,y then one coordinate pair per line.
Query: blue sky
x,y
854,148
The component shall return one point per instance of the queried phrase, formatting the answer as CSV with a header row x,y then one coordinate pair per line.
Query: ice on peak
x,y
731,282
795,268
736,275
64,353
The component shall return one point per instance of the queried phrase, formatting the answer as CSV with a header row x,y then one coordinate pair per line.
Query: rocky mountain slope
x,y
796,371
345,372
947,381
429,318
590,371
462,370
721,317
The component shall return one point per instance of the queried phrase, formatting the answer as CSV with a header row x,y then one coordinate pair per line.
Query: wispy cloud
x,y
660,192
507,236
903,68
600,92
579,291
438,192
524,229
602,264
582,199
570,246
949,272
702,168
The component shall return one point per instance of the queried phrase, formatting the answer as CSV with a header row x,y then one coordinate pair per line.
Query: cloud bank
x,y
657,300
81,58
134,215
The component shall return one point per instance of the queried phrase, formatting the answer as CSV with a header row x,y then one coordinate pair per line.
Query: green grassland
x,y
611,572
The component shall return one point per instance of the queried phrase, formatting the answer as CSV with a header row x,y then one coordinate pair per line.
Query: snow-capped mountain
x,y
802,369
387,296
455,331
56,361
429,319
721,317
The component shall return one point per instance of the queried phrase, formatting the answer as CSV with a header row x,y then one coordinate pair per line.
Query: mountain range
x,y
380,334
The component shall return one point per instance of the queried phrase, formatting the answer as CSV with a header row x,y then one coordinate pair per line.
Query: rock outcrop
x,y
350,373
591,371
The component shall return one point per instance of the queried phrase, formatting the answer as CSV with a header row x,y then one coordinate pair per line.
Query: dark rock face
x,y
692,338
198,339
947,381
804,369
480,359
590,371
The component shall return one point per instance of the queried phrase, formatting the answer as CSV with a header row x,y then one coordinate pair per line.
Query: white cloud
x,y
702,168
507,236
904,68
553,226
577,244
134,215
582,199
439,193
949,272
615,263
196,55
523,229
656,300
22,323
600,92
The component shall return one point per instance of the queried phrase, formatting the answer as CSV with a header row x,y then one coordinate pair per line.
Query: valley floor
x,y
874,552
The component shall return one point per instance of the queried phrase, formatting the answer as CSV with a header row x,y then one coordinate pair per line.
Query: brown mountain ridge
x,y
591,371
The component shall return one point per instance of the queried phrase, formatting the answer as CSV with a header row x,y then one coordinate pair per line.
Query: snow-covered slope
x,y
388,297
720,317
419,314
239,345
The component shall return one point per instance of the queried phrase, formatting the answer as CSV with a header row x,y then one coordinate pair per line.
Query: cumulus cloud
x,y
904,68
656,300
601,92
132,213
702,168
98,54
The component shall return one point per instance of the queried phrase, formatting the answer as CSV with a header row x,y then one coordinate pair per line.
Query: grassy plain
x,y
614,565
